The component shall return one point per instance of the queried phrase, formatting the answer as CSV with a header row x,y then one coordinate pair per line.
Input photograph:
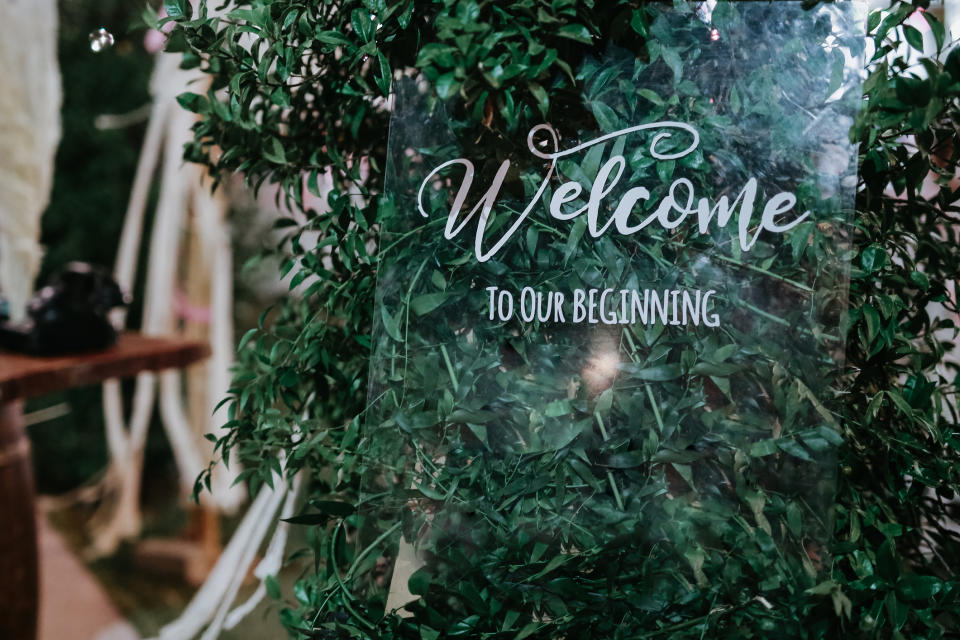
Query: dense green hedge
x,y
302,99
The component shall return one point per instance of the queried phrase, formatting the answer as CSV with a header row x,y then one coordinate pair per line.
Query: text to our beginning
x,y
674,307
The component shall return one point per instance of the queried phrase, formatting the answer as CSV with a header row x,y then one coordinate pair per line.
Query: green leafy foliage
x,y
298,89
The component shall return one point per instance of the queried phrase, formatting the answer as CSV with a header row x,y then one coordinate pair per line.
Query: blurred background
x,y
129,591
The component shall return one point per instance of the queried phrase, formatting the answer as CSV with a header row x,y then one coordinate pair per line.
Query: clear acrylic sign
x,y
606,339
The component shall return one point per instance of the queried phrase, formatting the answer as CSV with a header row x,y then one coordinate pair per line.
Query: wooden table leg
x,y
19,597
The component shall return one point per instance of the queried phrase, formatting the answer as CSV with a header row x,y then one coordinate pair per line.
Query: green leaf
x,y
419,582
630,460
555,563
676,457
604,402
914,37
672,59
725,16
363,24
273,151
873,258
192,102
665,169
830,435
892,19
447,86
541,96
651,95
246,338
939,32
576,32
795,449
824,588
897,610
424,304
178,9
557,408
916,587
920,279
150,18
528,630
888,563
573,240
308,519
390,324
334,507
606,117
763,448
658,373
273,589
333,38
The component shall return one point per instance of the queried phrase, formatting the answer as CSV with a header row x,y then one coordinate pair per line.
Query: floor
x,y
72,603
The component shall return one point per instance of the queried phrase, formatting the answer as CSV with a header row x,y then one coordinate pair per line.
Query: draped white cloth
x,y
182,190
30,98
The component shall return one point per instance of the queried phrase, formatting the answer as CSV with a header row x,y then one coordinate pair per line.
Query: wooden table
x,y
23,376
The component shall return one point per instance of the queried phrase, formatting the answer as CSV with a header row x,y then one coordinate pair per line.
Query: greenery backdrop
x,y
295,88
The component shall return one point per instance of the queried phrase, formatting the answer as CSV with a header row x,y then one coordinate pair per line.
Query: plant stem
x,y
656,410
677,627
373,545
610,479
794,283
453,376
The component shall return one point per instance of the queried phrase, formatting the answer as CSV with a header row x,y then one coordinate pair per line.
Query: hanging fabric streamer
x,y
183,190
30,97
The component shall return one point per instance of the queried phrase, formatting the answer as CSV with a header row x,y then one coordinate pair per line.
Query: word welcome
x,y
605,306
679,203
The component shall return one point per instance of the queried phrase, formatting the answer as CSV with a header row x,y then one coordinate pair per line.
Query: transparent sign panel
x,y
605,340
